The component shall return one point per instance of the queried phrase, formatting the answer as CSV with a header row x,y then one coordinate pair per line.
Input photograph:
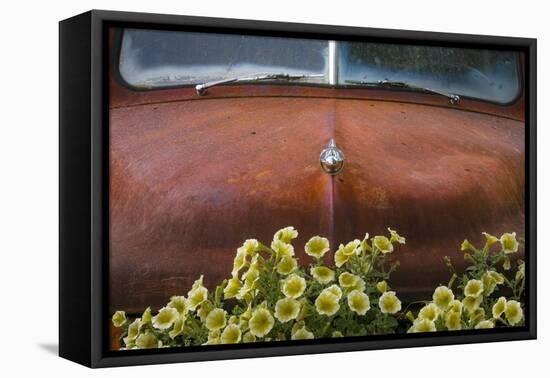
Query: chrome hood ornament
x,y
332,158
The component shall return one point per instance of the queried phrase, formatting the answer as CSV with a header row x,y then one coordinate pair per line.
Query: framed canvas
x,y
233,188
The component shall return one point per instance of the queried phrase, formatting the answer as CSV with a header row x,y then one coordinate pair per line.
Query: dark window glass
x,y
484,74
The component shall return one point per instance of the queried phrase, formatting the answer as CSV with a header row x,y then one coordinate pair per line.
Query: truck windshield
x,y
151,58
484,74
158,59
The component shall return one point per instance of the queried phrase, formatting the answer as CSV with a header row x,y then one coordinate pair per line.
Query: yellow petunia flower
x,y
249,338
233,320
455,306
322,274
335,289
499,307
395,237
239,262
178,327
293,286
180,304
453,321
477,316
351,248
423,325
339,257
382,286
513,312
490,281
430,312
248,313
358,302
443,297
506,263
282,249
204,310
471,303
232,288
119,319
250,246
509,243
365,244
287,309
499,278
383,244
216,319
485,324
466,246
366,267
248,290
474,288
261,322
165,318
148,340
231,334
302,334
389,303
213,338
287,265
251,274
347,279
146,317
297,326
317,246
327,303
133,331
359,284
489,239
286,234
198,283
196,296
520,274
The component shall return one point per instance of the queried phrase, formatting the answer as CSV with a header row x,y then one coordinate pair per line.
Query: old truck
x,y
217,138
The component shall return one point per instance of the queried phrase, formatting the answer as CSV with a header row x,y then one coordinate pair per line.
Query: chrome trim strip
x,y
332,62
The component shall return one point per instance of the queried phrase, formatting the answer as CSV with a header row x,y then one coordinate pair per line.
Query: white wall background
x,y
29,186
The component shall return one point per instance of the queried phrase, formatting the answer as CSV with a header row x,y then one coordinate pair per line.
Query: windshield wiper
x,y
202,89
453,98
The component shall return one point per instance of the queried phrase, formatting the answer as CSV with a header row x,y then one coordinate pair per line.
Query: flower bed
x,y
270,297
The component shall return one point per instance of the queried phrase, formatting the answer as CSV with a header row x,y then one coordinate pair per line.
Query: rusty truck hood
x,y
190,180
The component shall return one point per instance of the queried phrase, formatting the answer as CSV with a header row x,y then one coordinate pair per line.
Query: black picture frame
x,y
83,195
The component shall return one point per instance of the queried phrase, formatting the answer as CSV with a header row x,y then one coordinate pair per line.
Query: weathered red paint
x,y
192,177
